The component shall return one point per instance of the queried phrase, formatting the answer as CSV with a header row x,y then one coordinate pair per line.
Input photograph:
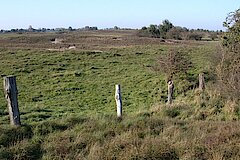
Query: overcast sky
x,y
205,14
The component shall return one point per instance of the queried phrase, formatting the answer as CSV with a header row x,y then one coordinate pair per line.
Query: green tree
x,y
70,28
228,71
116,28
144,28
231,40
154,31
165,27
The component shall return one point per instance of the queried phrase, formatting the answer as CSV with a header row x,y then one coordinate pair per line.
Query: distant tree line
x,y
31,29
167,30
60,30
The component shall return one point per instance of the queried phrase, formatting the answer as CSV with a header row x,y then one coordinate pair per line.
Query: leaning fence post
x,y
170,91
118,99
201,82
201,89
10,89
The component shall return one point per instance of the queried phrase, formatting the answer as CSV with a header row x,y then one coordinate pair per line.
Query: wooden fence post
x,y
201,82
118,99
10,89
170,91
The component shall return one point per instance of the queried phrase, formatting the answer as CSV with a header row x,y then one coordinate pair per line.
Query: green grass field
x,y
68,110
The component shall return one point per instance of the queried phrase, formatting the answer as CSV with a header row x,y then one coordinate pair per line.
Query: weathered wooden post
x,y
201,82
10,89
170,91
118,99
201,89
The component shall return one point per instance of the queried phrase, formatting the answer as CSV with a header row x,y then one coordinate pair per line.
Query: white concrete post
x,y
170,92
118,99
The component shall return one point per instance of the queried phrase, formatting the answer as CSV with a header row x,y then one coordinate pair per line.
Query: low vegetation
x,y
145,135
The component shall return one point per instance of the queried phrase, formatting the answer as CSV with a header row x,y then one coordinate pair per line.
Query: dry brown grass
x,y
83,40
143,136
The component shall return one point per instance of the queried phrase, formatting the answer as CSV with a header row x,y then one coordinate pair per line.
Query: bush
x,y
174,63
194,36
175,33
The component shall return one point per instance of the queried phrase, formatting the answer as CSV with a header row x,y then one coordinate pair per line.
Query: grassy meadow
x,y
68,110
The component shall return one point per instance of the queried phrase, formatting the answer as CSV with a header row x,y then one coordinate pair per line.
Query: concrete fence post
x,y
170,92
118,99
